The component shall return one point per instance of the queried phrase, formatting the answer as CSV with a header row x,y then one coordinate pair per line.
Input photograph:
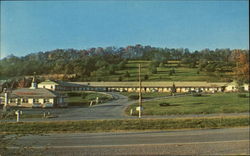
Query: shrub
x,y
119,78
197,94
103,98
133,97
242,95
162,64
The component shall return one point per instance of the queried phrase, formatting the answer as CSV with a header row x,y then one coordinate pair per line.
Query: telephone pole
x,y
140,101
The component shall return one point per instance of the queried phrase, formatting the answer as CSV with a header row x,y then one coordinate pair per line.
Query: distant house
x,y
58,85
234,87
51,85
34,97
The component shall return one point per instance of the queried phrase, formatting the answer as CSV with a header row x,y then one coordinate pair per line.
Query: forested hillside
x,y
116,64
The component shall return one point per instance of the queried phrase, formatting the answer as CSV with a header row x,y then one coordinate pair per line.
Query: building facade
x,y
180,87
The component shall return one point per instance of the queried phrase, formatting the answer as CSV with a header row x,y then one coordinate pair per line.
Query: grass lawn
x,y
84,98
182,73
206,104
120,125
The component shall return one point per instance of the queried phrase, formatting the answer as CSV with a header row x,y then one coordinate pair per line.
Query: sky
x,y
28,27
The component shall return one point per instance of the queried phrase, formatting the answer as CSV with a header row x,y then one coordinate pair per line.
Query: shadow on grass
x,y
169,105
197,103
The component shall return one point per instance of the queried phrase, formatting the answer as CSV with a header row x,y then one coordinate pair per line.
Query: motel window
x,y
45,100
12,100
25,101
36,100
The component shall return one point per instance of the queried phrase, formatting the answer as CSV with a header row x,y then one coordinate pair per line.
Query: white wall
x,y
51,87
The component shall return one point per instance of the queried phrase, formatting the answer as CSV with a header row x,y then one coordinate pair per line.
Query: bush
x,y
133,97
103,98
119,78
164,104
242,95
162,64
197,94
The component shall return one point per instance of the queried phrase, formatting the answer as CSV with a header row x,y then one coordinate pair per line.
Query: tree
x,y
101,63
146,77
22,83
210,67
122,64
162,64
173,89
120,78
155,63
153,70
241,59
171,72
112,69
127,74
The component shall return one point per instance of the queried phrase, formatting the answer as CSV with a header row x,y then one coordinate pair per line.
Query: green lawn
x,y
84,98
207,104
183,73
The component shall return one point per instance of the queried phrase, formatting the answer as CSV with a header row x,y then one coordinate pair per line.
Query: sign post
x,y
18,113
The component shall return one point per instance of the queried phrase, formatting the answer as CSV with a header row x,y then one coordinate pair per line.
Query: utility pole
x,y
140,102
6,99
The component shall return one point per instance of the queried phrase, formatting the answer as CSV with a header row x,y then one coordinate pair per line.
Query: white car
x,y
47,105
36,105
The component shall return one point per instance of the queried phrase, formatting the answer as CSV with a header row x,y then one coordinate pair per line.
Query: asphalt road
x,y
179,142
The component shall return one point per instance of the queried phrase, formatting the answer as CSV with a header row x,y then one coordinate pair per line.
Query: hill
x,y
120,64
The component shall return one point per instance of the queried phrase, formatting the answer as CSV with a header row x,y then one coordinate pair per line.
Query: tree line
x,y
105,61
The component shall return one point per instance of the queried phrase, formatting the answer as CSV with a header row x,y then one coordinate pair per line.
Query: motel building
x,y
47,93
181,87
33,97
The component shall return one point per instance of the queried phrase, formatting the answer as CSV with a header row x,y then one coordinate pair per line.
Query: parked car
x,y
47,105
36,105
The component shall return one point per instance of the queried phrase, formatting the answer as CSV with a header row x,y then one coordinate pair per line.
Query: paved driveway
x,y
110,110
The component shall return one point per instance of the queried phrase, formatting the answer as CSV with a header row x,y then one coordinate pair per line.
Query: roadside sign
x,y
139,108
